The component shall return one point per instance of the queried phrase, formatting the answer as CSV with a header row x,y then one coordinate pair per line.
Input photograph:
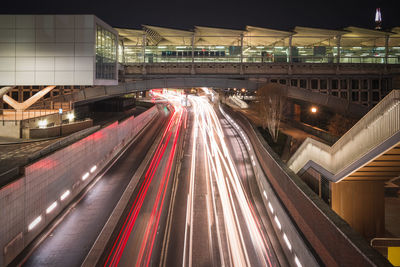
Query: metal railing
x,y
133,59
376,127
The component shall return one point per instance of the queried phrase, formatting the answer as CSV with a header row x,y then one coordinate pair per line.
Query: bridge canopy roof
x,y
257,36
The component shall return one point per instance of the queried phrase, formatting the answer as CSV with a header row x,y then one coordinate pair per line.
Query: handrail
x,y
374,129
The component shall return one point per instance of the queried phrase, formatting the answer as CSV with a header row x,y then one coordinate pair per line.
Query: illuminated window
x,y
106,54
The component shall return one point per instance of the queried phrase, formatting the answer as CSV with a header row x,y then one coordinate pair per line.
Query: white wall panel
x,y
64,77
7,77
44,77
84,63
44,64
84,36
25,77
65,21
25,35
7,49
84,49
65,35
7,35
25,21
64,49
45,50
84,77
7,64
25,50
25,64
45,35
44,21
84,21
7,21
64,63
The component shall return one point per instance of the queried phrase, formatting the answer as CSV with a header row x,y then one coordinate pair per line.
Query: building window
x,y
354,96
314,84
364,96
343,95
106,54
323,84
335,93
293,83
375,96
335,84
282,81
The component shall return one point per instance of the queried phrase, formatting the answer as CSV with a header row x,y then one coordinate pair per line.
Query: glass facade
x,y
268,49
106,54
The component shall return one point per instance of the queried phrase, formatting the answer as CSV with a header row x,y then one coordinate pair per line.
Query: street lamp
x,y
314,110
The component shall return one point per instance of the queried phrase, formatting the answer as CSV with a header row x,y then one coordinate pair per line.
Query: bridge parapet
x,y
211,68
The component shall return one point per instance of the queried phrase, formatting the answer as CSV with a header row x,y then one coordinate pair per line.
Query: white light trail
x,y
51,207
270,207
65,195
225,178
287,242
93,169
34,223
278,223
85,176
296,260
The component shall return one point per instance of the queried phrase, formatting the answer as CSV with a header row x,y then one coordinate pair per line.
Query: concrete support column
x,y
144,53
338,48
290,49
386,48
241,54
241,48
192,70
362,205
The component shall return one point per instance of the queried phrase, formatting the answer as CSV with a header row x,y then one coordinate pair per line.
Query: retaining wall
x,y
58,178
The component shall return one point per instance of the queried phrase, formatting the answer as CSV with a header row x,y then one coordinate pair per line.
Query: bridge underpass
x,y
92,94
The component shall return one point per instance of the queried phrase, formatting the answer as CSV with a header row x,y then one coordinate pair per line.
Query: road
x,y
199,208
69,243
138,235
217,217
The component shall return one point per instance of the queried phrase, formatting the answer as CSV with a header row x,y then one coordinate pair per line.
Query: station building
x,y
77,51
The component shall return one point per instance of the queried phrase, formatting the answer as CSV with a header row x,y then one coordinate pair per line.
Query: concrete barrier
x,y
29,204
330,238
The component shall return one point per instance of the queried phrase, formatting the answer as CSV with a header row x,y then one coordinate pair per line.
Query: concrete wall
x,y
48,49
10,129
59,130
362,205
46,180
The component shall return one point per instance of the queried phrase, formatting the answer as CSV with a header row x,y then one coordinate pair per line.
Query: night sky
x,y
183,14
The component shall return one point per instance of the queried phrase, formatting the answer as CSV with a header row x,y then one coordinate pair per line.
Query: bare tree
x,y
271,100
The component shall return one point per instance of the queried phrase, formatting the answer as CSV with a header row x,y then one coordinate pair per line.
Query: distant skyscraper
x,y
378,19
